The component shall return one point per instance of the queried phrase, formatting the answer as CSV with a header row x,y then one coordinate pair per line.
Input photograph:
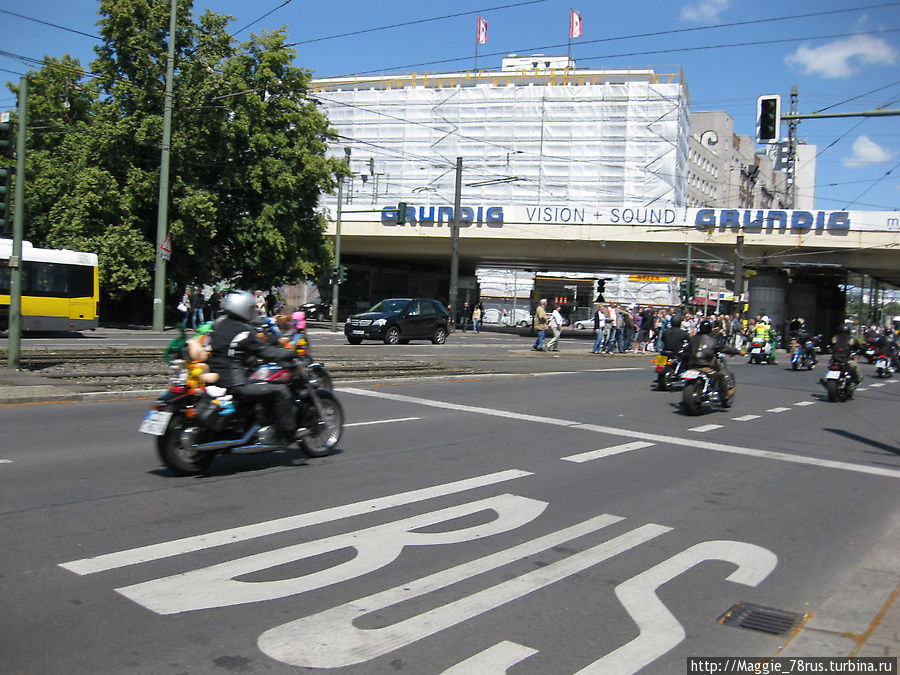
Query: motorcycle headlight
x,y
379,322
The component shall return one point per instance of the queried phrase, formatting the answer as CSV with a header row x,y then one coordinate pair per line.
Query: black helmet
x,y
705,328
240,305
844,329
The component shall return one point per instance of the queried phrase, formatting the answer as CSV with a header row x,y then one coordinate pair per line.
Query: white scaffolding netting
x,y
520,143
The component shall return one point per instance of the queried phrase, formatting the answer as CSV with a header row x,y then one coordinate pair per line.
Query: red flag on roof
x,y
481,34
575,24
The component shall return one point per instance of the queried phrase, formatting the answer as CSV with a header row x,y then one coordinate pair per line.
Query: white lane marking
x,y
223,585
606,452
188,544
877,384
777,410
5,461
745,418
301,643
703,428
890,382
397,419
608,370
860,388
633,434
804,403
493,660
659,630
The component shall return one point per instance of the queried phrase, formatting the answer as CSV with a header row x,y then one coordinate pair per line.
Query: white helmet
x,y
239,304
765,319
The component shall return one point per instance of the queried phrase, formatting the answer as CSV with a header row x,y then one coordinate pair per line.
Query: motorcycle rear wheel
x,y
178,457
833,390
324,434
664,379
690,398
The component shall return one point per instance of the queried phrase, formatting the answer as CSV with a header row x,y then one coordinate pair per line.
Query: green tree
x,y
247,157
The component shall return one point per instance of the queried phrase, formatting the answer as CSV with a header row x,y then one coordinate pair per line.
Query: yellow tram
x,y
60,291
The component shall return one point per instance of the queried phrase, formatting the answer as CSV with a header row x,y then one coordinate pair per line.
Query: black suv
x,y
399,320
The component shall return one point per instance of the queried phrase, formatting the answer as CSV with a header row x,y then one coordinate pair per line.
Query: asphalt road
x,y
553,520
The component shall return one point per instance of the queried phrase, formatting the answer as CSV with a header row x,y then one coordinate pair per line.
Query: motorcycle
x,y
838,381
803,356
194,421
883,366
669,370
700,388
759,352
870,350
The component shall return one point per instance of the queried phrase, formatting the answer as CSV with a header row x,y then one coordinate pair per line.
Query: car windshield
x,y
390,306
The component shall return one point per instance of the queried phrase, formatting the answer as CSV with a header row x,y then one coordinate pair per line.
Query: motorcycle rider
x,y
887,346
703,352
843,351
233,344
802,337
766,335
674,338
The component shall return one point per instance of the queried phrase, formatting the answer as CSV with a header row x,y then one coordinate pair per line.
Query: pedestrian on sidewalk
x,y
556,324
541,323
599,329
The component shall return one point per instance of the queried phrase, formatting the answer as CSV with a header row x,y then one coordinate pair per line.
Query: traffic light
x,y
342,274
7,142
683,291
601,287
401,213
768,118
5,198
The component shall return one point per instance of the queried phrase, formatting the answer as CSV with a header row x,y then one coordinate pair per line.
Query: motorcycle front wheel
x,y
323,432
690,398
175,452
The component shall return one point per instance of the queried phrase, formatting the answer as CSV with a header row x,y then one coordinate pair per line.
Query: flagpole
x,y
476,55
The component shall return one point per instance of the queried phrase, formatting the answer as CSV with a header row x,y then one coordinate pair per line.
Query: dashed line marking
x,y
745,418
805,403
877,384
861,388
606,452
5,461
705,427
777,410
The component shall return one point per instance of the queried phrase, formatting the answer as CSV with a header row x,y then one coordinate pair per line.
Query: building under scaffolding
x,y
537,131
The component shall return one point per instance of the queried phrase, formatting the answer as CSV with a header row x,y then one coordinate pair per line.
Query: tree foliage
x,y
247,154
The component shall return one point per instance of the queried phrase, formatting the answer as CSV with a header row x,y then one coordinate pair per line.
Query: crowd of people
x,y
196,308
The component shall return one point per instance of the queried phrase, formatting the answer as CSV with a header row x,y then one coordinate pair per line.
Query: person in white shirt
x,y
556,324
612,337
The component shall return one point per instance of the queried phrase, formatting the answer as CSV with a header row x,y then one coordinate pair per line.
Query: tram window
x,y
81,281
4,278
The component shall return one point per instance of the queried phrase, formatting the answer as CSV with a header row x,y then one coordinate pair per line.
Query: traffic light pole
x,y
159,278
15,261
454,242
335,282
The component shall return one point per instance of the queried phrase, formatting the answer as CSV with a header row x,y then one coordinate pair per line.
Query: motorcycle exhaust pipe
x,y
218,446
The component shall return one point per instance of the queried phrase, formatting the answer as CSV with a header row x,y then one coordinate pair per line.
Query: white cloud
x,y
704,10
867,151
844,57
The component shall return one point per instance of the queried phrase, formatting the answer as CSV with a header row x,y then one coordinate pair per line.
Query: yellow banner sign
x,y
645,277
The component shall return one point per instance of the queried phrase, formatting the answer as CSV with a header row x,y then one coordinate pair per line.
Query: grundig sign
x,y
752,220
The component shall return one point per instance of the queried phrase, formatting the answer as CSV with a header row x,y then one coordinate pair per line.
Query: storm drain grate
x,y
765,619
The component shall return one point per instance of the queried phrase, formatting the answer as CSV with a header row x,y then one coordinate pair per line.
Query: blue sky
x,y
841,60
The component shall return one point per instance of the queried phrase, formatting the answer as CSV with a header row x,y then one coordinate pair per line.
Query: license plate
x,y
833,375
756,350
881,363
691,374
661,360
155,422
357,332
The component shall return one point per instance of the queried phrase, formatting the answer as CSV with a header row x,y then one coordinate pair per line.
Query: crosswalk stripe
x,y
606,452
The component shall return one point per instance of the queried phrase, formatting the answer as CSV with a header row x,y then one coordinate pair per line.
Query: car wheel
x,y
354,340
440,335
392,336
